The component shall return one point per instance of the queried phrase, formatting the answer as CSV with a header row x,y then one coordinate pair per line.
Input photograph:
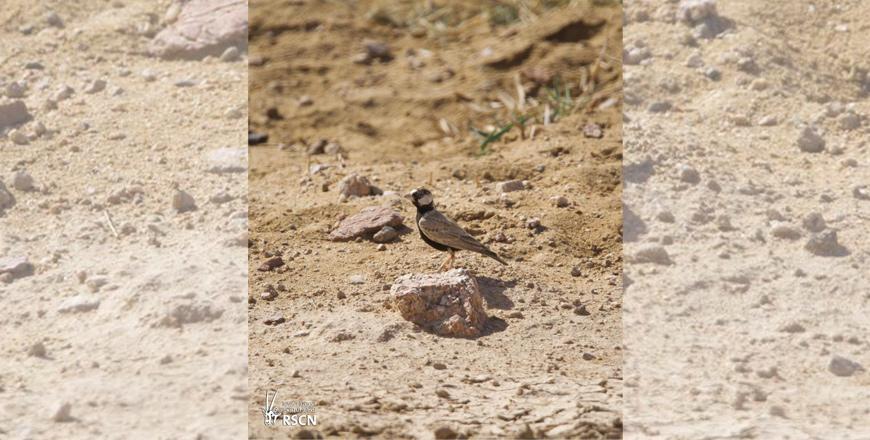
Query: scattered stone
x,y
713,73
814,222
559,201
231,54
825,244
588,356
850,121
21,180
270,264
274,319
576,272
688,174
593,130
62,413
368,221
793,327
659,107
203,28
78,304
694,11
18,137
635,55
183,202
510,186
228,160
257,138
221,197
16,89
533,223
63,93
53,20
445,433
861,192
385,235
449,303
149,75
37,350
16,267
317,146
357,279
665,216
7,200
785,231
355,185
332,148
844,367
95,86
374,50
810,142
767,121
12,112
652,253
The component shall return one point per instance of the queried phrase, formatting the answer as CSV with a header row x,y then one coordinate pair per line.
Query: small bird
x,y
442,233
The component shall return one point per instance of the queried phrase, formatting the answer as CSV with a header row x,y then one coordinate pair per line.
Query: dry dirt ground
x,y
143,334
545,368
739,322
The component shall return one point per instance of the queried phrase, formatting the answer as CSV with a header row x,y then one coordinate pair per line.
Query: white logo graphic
x,y
292,413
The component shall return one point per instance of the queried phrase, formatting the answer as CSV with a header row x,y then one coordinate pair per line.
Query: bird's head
x,y
420,197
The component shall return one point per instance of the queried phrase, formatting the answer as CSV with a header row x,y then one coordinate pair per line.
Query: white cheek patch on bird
x,y
425,200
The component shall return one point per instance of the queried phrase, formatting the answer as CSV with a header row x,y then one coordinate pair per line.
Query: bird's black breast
x,y
429,241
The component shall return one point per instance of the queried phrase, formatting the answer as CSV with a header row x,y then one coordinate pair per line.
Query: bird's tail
x,y
494,256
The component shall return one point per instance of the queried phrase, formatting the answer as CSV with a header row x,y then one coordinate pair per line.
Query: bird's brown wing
x,y
441,229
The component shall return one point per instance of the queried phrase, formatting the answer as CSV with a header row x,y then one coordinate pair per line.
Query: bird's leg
x,y
450,260
444,264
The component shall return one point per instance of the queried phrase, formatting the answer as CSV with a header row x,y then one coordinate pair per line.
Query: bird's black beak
x,y
410,196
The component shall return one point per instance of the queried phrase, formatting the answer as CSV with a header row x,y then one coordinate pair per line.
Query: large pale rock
x,y
203,27
366,222
12,112
448,304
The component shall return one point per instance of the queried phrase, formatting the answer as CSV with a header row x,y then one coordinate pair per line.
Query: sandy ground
x,y
545,368
734,328
143,334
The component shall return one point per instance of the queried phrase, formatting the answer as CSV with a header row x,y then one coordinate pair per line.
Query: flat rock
x,y
228,160
448,304
510,186
840,366
652,253
12,112
79,303
203,27
18,266
366,222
